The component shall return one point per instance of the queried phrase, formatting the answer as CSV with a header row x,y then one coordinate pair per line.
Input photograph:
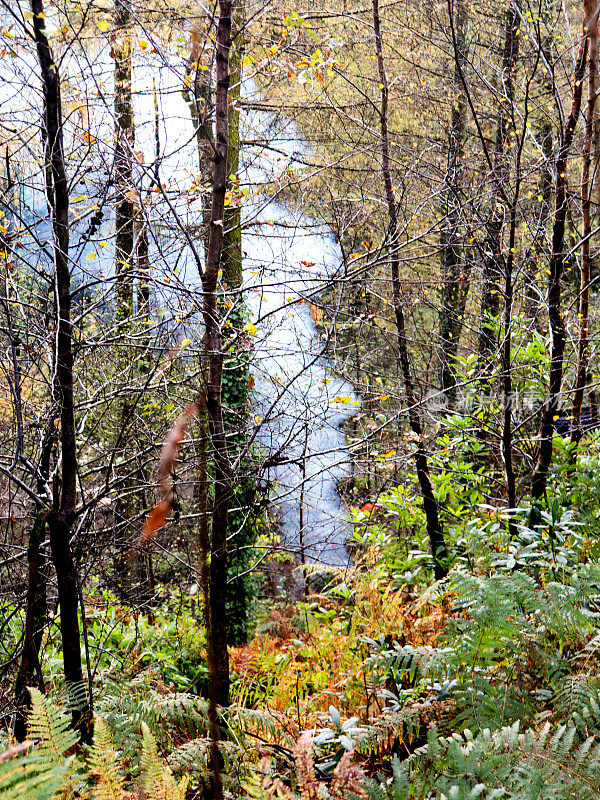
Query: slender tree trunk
x,y
130,573
430,506
532,301
201,108
60,520
232,240
236,367
201,488
455,274
142,252
215,363
218,654
30,668
557,328
502,163
124,141
30,671
586,191
143,269
494,265
511,494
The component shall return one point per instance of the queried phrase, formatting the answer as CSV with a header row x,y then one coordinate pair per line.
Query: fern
x,y
176,714
123,713
77,696
550,762
40,774
159,782
103,764
50,727
395,788
249,723
48,773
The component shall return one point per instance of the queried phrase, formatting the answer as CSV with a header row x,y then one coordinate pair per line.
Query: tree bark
x,y
532,301
30,671
557,328
586,192
200,103
455,274
232,238
218,654
124,142
60,519
236,367
430,506
494,266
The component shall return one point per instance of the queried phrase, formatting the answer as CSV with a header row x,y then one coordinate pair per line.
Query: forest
x,y
299,405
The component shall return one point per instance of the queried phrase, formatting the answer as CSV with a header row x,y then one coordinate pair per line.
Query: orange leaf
x,y
158,515
156,519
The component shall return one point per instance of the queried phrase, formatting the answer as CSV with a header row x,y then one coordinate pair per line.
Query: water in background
x,y
299,404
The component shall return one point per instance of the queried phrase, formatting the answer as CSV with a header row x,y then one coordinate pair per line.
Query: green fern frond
x,y
193,757
175,714
159,782
103,764
396,788
250,722
550,762
50,727
77,696
33,777
44,771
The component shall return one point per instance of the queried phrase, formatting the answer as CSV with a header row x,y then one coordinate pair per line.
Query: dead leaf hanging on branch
x,y
157,516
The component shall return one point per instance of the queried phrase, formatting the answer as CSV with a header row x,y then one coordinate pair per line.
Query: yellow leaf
x,y
91,257
143,45
251,329
103,25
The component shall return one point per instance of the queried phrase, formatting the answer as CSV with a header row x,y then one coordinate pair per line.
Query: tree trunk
x,y
455,274
124,141
236,367
60,520
30,670
557,328
200,103
434,528
532,302
494,266
231,260
586,191
218,654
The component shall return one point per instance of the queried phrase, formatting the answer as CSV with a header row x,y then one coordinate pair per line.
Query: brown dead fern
x,y
345,784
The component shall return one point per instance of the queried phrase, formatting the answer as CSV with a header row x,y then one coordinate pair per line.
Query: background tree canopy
x,y
299,440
